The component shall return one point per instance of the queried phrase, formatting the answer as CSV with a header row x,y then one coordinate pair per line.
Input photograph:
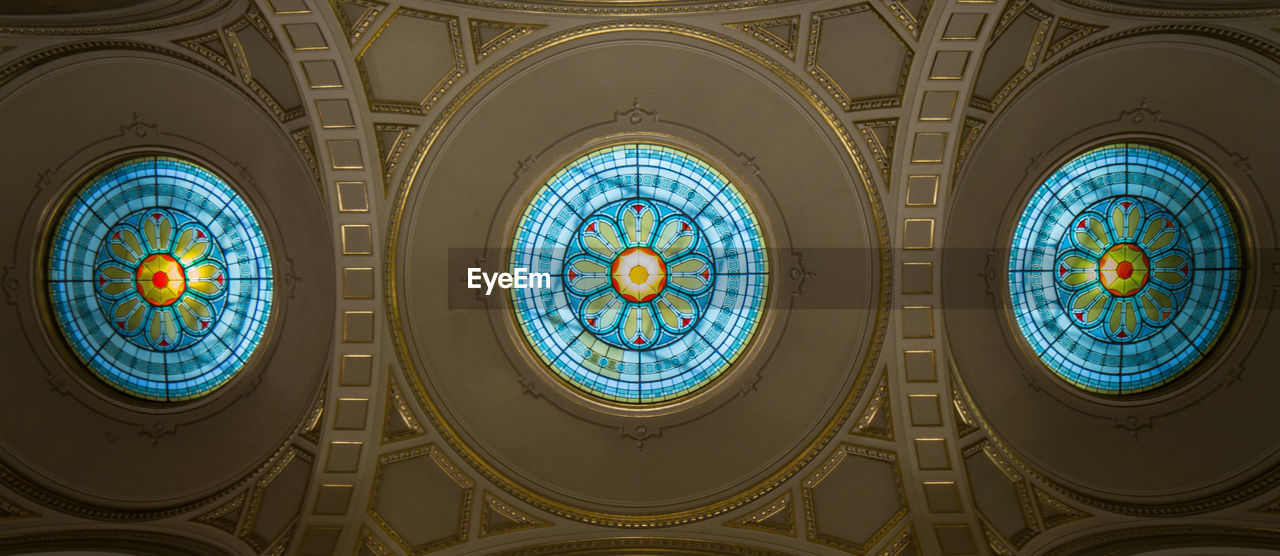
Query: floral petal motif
x,y
1126,218
1157,305
1087,306
114,280
600,236
601,313
157,231
1160,232
691,274
126,245
676,237
162,328
1090,233
676,312
192,245
206,278
637,219
1173,269
638,327
1123,323
585,274
195,314
128,314
1076,269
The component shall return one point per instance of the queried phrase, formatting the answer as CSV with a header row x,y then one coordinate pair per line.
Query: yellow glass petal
x,y
1160,233
190,247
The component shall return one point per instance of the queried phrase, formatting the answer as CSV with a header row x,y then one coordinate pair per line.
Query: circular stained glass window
x,y
1124,269
658,273
159,278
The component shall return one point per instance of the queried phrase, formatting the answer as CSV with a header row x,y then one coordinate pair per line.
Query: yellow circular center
x,y
639,274
1124,269
160,279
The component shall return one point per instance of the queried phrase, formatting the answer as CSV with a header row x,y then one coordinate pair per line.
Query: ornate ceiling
x,y
885,406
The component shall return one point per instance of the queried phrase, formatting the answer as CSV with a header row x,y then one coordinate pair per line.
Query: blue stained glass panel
x,y
160,279
1125,268
659,273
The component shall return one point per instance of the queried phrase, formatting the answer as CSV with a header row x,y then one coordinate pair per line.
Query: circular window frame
x,y
706,396
98,391
1204,366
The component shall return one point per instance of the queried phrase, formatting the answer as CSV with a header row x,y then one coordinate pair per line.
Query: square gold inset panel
x,y
305,36
942,497
283,7
925,410
319,541
333,499
928,146
357,370
917,233
920,365
322,74
955,538
345,154
922,191
335,114
353,196
936,106
357,283
344,457
351,413
917,322
949,65
963,27
357,327
917,277
357,239
931,453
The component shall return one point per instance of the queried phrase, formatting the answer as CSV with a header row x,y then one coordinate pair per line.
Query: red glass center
x,y
1124,269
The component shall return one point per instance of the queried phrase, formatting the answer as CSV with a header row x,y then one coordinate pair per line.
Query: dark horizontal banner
x,y
824,278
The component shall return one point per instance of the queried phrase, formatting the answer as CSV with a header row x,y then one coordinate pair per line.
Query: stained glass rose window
x,y
1125,268
160,279
659,273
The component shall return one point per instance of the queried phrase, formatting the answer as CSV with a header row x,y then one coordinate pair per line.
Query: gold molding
x,y
356,29
834,426
758,519
449,469
814,479
210,9
881,151
643,545
512,31
879,402
432,96
519,520
758,30
612,7
820,75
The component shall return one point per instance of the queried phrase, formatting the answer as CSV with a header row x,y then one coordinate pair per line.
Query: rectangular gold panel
x,y
345,154
333,499
963,27
931,453
920,365
937,106
335,114
942,497
925,410
955,538
351,414
917,278
922,191
917,321
949,65
917,233
353,196
357,327
357,283
357,239
322,74
305,36
344,457
357,370
928,147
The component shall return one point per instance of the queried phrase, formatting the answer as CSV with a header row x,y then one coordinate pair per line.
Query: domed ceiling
x,y
786,246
